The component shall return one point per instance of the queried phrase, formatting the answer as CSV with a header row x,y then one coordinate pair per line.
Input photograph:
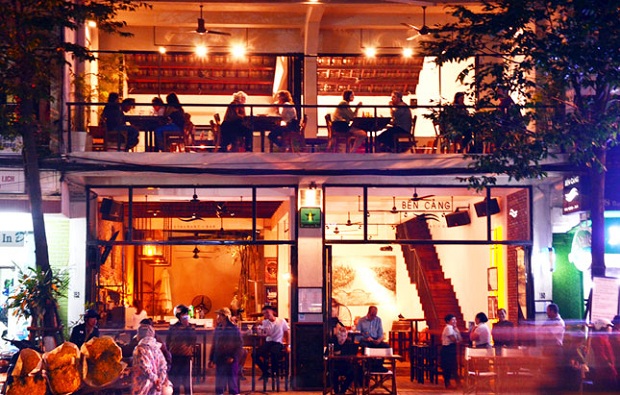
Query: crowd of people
x,y
586,355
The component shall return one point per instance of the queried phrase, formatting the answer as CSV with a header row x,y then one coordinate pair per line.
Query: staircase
x,y
435,290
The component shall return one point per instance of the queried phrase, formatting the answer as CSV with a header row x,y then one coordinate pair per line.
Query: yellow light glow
x,y
407,52
238,51
162,50
201,50
370,52
92,24
149,250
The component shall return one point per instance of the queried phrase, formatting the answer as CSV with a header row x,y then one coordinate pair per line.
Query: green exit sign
x,y
309,217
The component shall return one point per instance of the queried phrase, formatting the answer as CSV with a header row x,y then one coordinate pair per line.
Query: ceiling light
x,y
370,52
407,52
201,50
92,24
162,50
238,51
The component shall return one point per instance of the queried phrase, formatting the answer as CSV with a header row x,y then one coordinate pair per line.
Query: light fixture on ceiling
x,y
195,251
154,254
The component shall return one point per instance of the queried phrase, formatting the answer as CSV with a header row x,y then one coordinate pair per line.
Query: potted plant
x,y
35,297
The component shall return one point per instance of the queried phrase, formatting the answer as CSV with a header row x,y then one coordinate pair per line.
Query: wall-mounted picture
x,y
492,301
362,281
271,270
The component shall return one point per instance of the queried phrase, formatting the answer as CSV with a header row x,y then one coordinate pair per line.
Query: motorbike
x,y
8,359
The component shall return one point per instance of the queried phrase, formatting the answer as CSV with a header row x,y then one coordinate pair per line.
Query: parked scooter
x,y
12,357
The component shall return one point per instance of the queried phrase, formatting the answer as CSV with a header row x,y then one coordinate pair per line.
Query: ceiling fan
x,y
417,198
394,210
195,217
421,31
349,223
201,29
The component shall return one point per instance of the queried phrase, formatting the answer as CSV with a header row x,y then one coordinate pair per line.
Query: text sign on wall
x,y
574,195
11,182
428,206
12,239
605,294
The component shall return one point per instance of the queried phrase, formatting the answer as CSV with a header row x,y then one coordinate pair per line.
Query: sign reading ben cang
x,y
12,239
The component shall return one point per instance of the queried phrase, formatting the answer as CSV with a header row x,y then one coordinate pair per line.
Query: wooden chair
x,y
174,141
404,143
335,139
216,128
378,381
97,134
480,370
115,140
295,142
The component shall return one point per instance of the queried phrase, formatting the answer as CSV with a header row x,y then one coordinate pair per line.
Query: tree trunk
x,y
33,186
597,215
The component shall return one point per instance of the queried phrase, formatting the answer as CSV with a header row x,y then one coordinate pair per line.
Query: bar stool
x,y
279,369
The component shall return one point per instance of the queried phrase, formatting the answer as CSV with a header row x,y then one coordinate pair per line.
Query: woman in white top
x,y
290,123
450,337
481,334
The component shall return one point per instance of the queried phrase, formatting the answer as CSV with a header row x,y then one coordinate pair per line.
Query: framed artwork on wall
x,y
271,270
492,278
492,301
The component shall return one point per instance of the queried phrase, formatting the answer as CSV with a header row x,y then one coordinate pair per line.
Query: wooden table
x,y
264,123
371,125
147,124
363,361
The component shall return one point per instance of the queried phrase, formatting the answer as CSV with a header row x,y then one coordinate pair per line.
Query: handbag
x,y
167,388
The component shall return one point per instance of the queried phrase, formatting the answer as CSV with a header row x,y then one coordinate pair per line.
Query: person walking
x,y
225,353
149,367
181,341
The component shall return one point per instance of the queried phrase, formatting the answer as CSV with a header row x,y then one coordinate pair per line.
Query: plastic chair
x,y
378,381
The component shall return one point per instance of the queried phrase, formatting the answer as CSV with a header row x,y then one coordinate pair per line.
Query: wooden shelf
x,y
368,76
186,73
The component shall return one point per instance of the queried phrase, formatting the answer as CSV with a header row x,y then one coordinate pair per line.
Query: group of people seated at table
x,y
370,335
237,128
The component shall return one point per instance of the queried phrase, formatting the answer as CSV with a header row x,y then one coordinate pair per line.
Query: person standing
x,y
400,125
450,338
84,332
274,328
225,353
480,334
603,361
614,339
502,332
342,118
181,341
149,365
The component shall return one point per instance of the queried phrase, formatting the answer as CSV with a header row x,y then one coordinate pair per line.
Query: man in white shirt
x,y
275,329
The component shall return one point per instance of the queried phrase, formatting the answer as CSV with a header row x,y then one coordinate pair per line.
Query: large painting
x,y
363,281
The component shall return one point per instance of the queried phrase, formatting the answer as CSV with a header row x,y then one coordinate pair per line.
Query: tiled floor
x,y
404,385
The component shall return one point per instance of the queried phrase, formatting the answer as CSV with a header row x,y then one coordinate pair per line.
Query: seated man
x,y
274,328
400,125
343,370
114,117
371,335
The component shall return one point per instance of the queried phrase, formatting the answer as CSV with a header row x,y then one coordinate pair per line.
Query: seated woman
x,y
287,112
115,120
234,126
342,118
176,121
